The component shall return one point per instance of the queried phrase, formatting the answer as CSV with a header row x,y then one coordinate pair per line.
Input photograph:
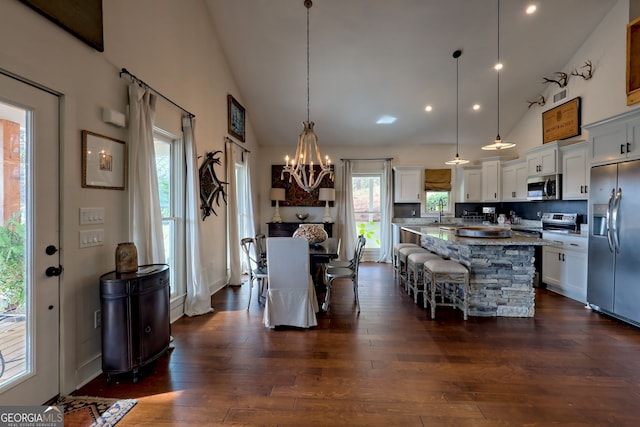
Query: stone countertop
x,y
449,235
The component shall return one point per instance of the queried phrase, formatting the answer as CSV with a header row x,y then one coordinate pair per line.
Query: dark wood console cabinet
x,y
286,229
135,318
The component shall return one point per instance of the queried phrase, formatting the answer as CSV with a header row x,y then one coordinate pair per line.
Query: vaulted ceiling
x,y
374,58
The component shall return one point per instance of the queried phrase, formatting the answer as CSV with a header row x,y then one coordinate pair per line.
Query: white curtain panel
x,y
249,218
235,269
144,200
386,241
198,299
348,232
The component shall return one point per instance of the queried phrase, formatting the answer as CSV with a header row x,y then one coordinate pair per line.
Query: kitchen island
x,y
501,269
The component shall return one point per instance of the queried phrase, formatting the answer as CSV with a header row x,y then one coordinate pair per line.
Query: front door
x,y
29,236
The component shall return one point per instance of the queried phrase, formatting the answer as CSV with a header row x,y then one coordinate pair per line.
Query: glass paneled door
x,y
29,237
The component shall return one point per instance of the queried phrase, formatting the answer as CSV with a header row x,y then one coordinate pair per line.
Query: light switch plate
x,y
89,216
90,238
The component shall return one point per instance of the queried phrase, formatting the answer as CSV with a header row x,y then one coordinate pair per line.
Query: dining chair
x,y
261,249
332,273
291,297
360,242
256,271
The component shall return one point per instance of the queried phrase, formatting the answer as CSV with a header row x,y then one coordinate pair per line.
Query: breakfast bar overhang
x,y
501,269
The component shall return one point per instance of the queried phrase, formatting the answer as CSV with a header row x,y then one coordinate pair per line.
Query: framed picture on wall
x,y
235,118
103,161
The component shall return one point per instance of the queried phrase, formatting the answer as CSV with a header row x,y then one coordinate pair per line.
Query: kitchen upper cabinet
x,y
543,160
575,180
616,139
471,184
408,184
514,181
491,180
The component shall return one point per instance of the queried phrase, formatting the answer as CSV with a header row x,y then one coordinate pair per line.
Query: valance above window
x,y
437,179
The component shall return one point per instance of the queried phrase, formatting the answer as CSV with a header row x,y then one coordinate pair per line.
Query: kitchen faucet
x,y
441,206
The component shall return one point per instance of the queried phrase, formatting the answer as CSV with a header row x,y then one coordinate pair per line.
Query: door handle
x,y
614,221
608,219
53,271
50,250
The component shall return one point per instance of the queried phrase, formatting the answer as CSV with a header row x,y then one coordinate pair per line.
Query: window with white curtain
x,y
367,207
171,177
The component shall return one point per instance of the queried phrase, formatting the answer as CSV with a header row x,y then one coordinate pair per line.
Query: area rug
x,y
87,411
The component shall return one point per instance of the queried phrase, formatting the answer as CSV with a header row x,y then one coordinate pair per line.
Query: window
x,y
437,201
170,171
367,207
437,184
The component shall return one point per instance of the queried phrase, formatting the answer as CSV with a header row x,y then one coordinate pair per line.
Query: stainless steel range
x,y
561,222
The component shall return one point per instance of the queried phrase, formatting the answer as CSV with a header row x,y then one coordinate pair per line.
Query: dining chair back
x,y
256,271
291,298
333,273
261,249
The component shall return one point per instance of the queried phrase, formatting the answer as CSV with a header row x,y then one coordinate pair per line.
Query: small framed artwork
x,y
103,161
235,118
562,122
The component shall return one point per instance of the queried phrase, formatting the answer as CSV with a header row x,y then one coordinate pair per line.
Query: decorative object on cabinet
x,y
235,118
135,318
633,62
301,167
210,186
277,195
327,195
126,257
103,161
83,19
498,143
457,160
561,81
296,196
540,101
314,233
587,74
302,216
562,122
286,229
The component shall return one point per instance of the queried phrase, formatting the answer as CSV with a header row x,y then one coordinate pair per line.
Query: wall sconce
x,y
327,195
277,195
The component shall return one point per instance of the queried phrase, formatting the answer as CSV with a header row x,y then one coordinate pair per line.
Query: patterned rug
x,y
86,411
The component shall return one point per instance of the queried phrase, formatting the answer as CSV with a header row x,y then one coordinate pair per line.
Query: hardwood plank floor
x,y
391,365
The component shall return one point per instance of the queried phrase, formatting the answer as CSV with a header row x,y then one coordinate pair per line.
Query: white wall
x,y
172,46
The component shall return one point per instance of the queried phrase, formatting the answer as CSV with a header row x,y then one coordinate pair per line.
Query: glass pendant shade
x,y
498,144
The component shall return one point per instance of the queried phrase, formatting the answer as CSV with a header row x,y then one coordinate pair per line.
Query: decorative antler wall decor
x,y
588,72
540,101
562,79
211,188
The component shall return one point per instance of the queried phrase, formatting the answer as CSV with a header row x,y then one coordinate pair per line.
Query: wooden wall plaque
x,y
562,122
633,62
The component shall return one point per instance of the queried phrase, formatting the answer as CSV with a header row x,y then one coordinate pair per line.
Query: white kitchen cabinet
x,y
616,139
564,267
408,184
543,160
491,180
575,179
514,181
471,184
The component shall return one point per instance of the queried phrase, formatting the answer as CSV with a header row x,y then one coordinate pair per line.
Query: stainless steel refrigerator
x,y
614,240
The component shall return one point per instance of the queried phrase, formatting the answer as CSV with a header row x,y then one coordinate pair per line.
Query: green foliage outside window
x,y
436,199
371,231
12,265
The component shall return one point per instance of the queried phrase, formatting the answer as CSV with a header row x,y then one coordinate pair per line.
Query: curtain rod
x,y
380,158
145,85
227,139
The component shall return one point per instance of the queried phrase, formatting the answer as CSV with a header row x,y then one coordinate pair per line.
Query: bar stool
x,y
396,248
415,269
403,253
437,274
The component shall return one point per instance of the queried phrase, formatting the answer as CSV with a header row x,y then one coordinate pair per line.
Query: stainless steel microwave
x,y
546,187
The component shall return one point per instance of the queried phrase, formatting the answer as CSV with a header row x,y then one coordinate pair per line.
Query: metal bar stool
x,y
439,273
403,253
415,268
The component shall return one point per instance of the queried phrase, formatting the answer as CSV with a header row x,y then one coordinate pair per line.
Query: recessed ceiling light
x,y
428,108
386,120
498,66
476,107
531,9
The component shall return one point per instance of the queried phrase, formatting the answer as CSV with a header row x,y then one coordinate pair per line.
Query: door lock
x,y
53,271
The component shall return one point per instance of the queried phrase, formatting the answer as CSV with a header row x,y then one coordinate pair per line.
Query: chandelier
x,y
301,166
498,143
457,160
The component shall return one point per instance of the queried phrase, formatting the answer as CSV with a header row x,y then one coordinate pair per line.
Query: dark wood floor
x,y
390,366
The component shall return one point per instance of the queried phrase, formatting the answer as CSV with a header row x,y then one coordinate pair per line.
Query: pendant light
x,y
301,166
457,160
499,144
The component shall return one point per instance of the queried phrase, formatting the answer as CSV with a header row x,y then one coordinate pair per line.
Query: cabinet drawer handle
x,y
628,147
585,189
147,329
621,148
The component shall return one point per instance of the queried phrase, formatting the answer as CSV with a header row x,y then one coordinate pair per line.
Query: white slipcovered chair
x,y
291,297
